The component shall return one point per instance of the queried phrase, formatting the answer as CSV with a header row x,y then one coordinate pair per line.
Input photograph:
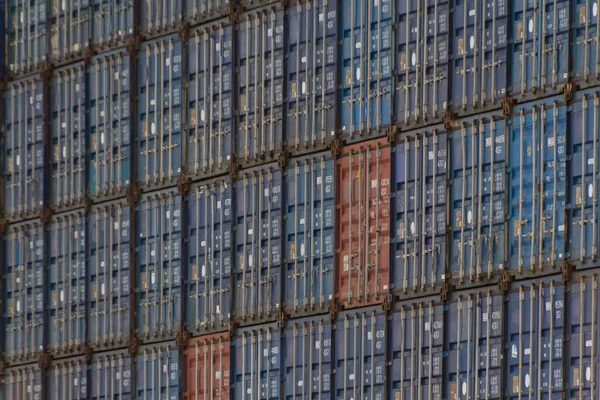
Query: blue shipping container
x,y
584,53
111,376
159,16
68,379
199,10
209,234
112,22
23,382
27,30
69,28
157,372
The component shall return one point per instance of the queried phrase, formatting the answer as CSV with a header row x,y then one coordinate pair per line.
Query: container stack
x,y
214,199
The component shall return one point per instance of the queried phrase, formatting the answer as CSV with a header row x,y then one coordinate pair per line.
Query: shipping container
x,y
23,292
209,124
26,34
112,22
420,214
258,212
23,382
534,339
67,379
159,17
68,91
540,50
67,264
474,345
23,148
158,247
257,362
207,367
308,358
3,53
159,145
365,68
360,354
582,348
202,10
109,276
311,50
422,43
584,53
538,183
309,232
209,240
480,40
477,176
259,62
157,372
109,169
111,376
69,29
416,349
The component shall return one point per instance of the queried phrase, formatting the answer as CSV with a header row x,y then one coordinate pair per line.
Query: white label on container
x,y
153,128
527,380
590,190
412,228
267,192
62,295
301,221
303,60
102,113
250,260
358,45
218,204
472,42
358,73
485,317
471,13
321,17
527,352
591,161
464,388
550,142
102,289
561,228
374,183
300,383
102,264
317,344
413,59
514,351
102,138
319,180
203,243
351,377
249,391
588,374
470,216
152,102
21,16
203,271
202,114
18,305
218,309
588,343
168,61
153,278
548,306
303,87
218,47
77,85
250,231
531,25
18,160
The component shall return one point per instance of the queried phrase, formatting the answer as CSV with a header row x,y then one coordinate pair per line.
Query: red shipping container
x,y
207,361
363,223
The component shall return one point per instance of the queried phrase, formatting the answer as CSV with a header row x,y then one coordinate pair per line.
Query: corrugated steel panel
x,y
363,175
365,68
538,184
309,228
68,132
24,382
585,52
260,85
209,236
258,362
308,358
159,16
540,50
480,47
420,215
109,80
474,344
422,56
583,351
311,47
207,367
27,34
112,22
416,350
158,139
68,379
360,354
258,210
111,376
202,10
477,160
23,149
157,372
69,28
67,261
534,339
209,99
109,301
159,245
23,300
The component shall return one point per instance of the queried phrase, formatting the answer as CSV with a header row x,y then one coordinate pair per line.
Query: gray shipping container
x,y
68,379
111,376
23,382
157,372
112,22
69,28
27,34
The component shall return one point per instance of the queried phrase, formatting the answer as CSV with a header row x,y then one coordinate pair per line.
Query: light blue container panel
x,y
112,22
69,29
157,372
584,51
111,376
27,32
67,378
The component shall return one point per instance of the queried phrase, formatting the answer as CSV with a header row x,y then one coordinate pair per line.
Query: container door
x,y
111,377
111,21
208,369
158,373
68,380
27,35
159,16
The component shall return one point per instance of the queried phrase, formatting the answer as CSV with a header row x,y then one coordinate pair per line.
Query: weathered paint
x,y
69,28
207,367
159,16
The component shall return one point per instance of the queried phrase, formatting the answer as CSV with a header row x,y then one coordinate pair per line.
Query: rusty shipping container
x,y
208,367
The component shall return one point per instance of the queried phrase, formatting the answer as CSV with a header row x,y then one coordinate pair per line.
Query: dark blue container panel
x,y
209,234
257,361
583,350
23,299
67,285
27,30
23,382
422,56
538,184
68,379
159,146
210,99
158,247
416,350
308,357
112,21
159,16
109,229
311,73
477,212
419,212
365,101
157,372
68,132
534,341
198,10
258,209
474,346
109,144
23,120
260,95
69,28
111,376
584,53
309,228
540,50
480,49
